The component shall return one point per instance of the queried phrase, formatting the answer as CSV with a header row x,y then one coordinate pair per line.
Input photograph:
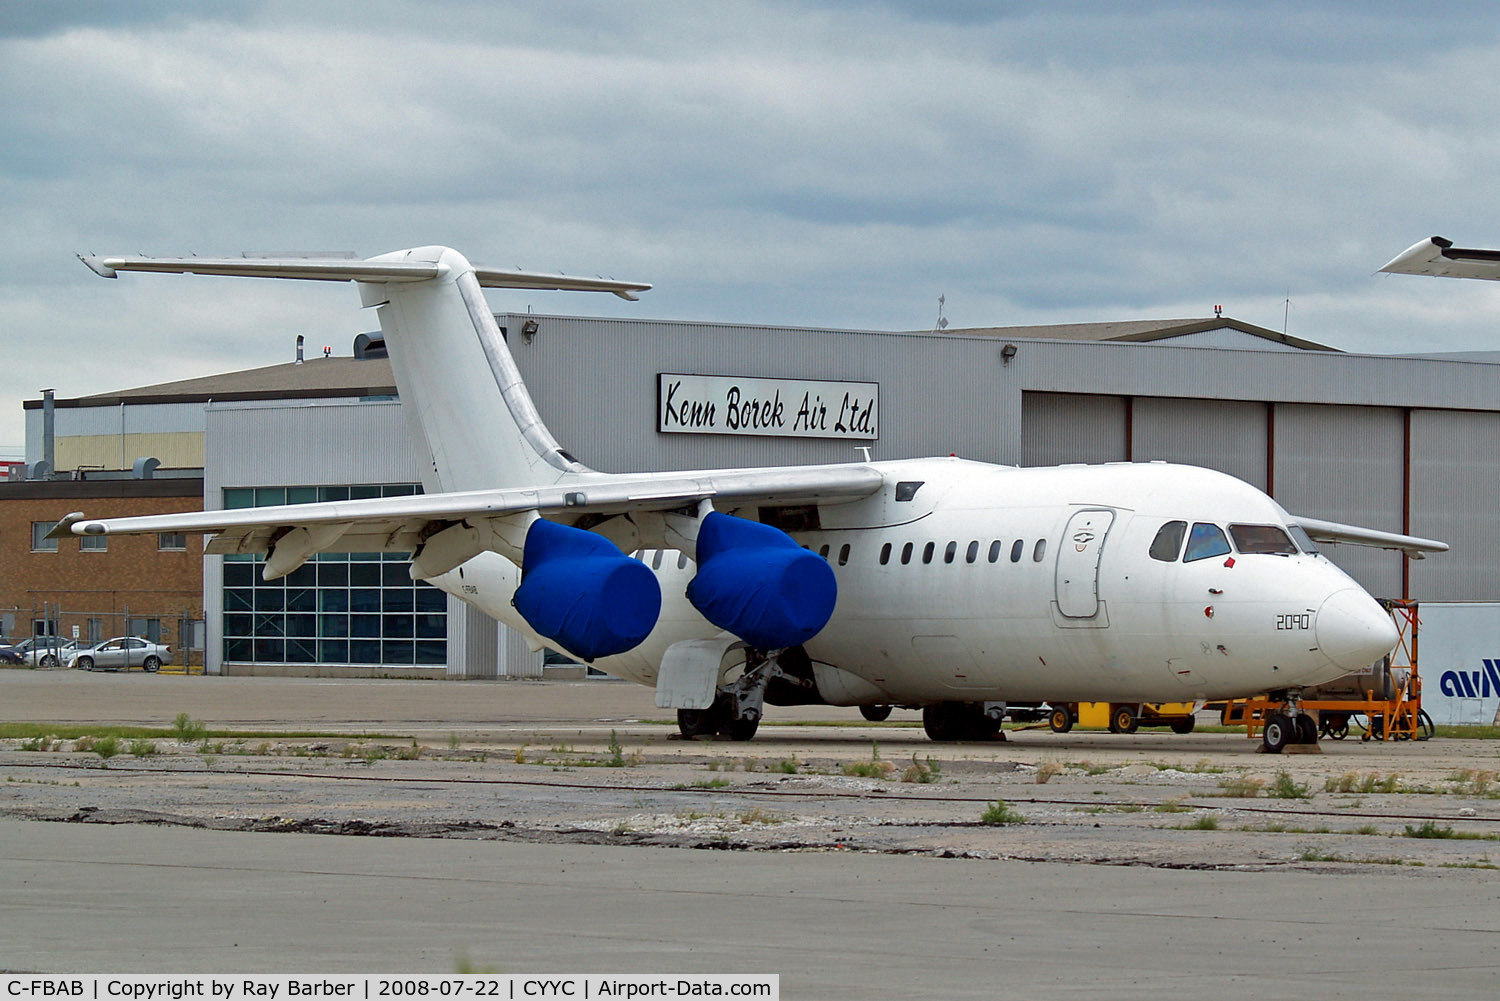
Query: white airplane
x,y
955,586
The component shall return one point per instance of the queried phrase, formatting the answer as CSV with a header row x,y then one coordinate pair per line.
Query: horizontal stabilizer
x,y
375,270
1354,535
1437,256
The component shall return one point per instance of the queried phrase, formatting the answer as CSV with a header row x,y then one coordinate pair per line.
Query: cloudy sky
x,y
819,164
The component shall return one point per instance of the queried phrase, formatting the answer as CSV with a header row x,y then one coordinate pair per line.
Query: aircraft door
x,y
1078,563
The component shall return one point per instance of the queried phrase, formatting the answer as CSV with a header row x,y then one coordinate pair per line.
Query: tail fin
x,y
459,385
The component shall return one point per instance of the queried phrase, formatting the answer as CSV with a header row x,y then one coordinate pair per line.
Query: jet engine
x,y
755,582
580,590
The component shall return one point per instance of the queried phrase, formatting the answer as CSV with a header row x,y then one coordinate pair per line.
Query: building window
x,y
93,543
39,541
337,608
171,542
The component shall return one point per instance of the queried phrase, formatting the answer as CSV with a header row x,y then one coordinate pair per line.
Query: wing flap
x,y
1354,535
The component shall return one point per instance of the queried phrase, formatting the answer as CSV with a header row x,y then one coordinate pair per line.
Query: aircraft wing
x,y
1437,256
1332,531
402,523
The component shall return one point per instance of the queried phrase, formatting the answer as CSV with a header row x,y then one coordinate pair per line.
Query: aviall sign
x,y
783,408
1458,651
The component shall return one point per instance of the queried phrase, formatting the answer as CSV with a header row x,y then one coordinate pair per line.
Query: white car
x,y
46,651
122,653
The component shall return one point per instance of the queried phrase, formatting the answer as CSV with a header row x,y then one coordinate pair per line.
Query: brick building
x,y
150,586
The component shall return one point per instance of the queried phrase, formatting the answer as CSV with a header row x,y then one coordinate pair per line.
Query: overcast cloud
x,y
801,163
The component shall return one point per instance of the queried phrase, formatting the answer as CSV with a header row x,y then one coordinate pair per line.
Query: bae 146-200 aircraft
x,y
955,586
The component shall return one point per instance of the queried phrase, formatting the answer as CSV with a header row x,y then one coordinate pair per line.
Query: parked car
x,y
9,654
121,654
46,651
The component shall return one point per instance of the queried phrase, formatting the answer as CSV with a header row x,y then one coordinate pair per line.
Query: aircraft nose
x,y
1353,631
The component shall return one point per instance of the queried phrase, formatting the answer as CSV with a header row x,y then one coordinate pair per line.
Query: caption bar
x,y
389,988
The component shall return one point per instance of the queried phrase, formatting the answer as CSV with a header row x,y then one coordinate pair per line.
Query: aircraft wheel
x,y
943,721
1122,719
1277,733
1184,725
875,714
978,726
742,729
1307,729
1060,720
694,723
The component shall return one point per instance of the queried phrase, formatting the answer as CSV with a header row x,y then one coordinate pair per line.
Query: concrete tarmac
x,y
91,899
138,897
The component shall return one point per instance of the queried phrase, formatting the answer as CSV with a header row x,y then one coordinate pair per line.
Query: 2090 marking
x,y
1294,620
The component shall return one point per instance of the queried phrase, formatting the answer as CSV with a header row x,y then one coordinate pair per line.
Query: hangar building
x,y
1400,443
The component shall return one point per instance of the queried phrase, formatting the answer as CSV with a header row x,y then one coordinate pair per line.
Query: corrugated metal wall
x,y
1345,464
1071,427
1455,465
595,384
1227,435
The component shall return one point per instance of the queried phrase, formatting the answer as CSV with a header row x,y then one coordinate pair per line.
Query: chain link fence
x,y
60,629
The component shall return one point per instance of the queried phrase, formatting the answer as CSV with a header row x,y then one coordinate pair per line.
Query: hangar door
x,y
1078,563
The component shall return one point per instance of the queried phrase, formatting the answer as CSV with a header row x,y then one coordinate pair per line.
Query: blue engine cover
x,y
753,581
578,588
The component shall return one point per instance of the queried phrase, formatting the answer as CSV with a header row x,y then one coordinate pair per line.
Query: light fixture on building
x,y
1007,353
528,330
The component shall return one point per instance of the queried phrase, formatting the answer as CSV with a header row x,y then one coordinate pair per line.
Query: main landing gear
x,y
949,721
738,706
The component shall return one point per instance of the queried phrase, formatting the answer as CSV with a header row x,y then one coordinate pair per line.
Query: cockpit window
x,y
1168,541
1205,541
1261,539
1304,540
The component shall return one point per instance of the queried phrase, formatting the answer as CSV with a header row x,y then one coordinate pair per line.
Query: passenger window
x,y
1167,545
823,550
1015,550
1262,539
1039,551
1205,541
682,561
885,554
844,554
906,554
973,553
995,551
656,559
927,552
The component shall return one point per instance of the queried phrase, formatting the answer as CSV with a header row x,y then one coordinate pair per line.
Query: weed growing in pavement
x,y
142,748
760,816
922,772
787,766
998,813
1174,805
106,747
1241,786
188,730
1046,770
1205,822
411,753
875,768
1285,787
